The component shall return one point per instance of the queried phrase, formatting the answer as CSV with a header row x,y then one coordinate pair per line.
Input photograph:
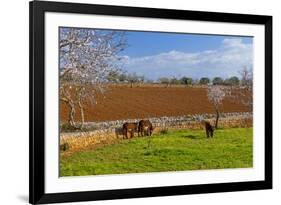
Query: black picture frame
x,y
37,10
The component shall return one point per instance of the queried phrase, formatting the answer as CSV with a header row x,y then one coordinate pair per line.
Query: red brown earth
x,y
123,102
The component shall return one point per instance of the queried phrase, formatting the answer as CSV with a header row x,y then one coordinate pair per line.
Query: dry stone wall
x,y
165,121
108,132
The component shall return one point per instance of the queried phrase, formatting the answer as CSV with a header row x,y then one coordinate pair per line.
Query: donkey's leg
x,y
207,133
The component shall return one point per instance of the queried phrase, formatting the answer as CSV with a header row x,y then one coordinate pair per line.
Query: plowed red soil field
x,y
123,102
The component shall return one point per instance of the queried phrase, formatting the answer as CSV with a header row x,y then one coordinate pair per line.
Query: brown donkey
x,y
130,127
145,128
208,128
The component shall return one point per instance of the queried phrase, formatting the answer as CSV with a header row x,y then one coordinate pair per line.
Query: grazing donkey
x,y
145,128
208,127
130,127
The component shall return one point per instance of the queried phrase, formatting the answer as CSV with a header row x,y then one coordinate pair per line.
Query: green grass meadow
x,y
174,151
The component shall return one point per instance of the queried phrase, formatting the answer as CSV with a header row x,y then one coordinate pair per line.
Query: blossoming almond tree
x,y
243,93
87,56
246,89
216,94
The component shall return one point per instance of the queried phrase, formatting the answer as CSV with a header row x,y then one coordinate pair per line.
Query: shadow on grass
x,y
193,137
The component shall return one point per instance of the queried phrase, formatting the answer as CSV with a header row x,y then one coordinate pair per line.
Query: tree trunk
x,y
71,113
82,115
131,85
217,118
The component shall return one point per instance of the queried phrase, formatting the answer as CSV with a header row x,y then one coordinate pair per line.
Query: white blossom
x,y
86,58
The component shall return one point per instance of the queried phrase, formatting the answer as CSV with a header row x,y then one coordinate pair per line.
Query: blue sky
x,y
151,43
155,55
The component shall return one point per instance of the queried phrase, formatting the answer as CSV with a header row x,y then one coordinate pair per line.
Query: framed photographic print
x,y
140,102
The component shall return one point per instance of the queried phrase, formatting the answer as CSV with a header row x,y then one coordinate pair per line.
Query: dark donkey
x,y
208,128
145,128
130,127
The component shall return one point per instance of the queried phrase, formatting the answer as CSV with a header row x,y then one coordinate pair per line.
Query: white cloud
x,y
225,61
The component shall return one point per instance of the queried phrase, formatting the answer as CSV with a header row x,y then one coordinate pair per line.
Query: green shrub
x,y
64,147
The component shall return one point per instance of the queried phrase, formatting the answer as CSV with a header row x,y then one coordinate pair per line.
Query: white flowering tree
x,y
87,56
216,94
245,94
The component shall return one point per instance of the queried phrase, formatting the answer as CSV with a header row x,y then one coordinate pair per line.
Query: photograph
x,y
132,102
136,101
